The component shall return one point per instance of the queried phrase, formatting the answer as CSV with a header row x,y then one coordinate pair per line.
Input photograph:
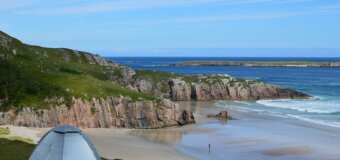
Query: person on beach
x,y
209,147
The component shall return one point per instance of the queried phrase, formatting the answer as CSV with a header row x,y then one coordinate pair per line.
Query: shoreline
x,y
251,136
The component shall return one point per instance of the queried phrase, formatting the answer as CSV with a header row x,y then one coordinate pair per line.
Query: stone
x,y
179,90
222,115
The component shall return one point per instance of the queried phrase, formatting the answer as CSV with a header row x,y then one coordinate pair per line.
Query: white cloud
x,y
86,7
234,17
330,7
15,4
70,7
117,5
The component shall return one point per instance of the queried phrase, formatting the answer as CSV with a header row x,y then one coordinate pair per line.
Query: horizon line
x,y
213,57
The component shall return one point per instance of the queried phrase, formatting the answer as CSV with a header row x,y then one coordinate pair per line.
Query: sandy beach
x,y
250,136
119,143
28,132
260,137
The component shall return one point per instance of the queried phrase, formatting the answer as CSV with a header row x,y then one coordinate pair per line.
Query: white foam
x,y
155,65
238,108
225,75
222,104
242,102
321,122
307,107
315,105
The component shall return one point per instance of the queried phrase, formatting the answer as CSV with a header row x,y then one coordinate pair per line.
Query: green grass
x,y
155,75
37,74
19,150
4,131
161,78
15,149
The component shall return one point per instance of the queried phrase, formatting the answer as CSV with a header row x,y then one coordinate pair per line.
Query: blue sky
x,y
286,28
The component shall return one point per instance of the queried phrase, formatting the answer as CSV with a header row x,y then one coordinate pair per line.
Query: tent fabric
x,y
64,143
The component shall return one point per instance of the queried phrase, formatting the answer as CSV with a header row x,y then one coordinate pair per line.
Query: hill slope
x,y
32,75
45,87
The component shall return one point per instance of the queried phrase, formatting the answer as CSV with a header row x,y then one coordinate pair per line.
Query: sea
x,y
323,83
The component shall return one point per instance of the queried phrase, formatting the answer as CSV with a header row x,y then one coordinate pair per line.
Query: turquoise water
x,y
322,83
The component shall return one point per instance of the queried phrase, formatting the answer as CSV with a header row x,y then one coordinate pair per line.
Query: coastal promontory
x,y
46,87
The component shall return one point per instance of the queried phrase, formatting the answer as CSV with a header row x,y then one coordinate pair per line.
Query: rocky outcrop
x,y
229,89
223,115
5,41
104,113
144,86
179,90
126,74
334,64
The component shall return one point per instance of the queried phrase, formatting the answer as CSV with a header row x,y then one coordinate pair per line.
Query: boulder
x,y
223,115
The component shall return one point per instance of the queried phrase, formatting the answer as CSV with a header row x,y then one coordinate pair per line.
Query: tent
x,y
65,143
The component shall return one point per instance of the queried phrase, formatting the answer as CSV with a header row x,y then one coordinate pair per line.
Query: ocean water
x,y
322,83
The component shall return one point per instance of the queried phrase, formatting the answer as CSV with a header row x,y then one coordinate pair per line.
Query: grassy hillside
x,y
37,77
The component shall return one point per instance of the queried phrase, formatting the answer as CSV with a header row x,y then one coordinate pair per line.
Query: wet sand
x,y
299,150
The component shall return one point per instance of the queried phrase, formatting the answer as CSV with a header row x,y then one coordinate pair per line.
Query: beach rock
x,y
102,113
144,86
179,90
222,115
127,74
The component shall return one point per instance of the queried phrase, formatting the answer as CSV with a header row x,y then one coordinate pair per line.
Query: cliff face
x,y
222,88
103,113
239,91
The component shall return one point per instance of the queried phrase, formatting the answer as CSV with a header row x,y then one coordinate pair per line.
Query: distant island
x,y
258,63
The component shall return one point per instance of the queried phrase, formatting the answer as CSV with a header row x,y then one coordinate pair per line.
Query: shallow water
x,y
258,137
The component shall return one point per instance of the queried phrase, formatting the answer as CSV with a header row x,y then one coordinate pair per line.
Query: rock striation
x,y
179,90
208,88
103,113
223,90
